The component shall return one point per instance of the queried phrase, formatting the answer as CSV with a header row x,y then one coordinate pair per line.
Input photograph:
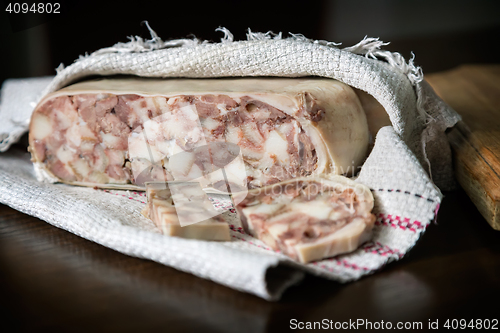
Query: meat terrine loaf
x,y
108,131
310,218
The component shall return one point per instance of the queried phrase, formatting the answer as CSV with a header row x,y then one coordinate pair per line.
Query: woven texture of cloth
x,y
406,199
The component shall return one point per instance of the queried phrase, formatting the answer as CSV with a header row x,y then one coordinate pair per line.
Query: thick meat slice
x,y
184,211
109,132
310,218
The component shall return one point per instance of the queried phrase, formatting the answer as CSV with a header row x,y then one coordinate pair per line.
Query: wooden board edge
x,y
479,189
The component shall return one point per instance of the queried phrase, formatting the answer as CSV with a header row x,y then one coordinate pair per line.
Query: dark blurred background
x,y
442,34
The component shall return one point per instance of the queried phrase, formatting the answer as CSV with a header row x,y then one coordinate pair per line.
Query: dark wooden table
x,y
51,280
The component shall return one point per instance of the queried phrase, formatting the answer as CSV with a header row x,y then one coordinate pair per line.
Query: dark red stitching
x,y
239,229
381,249
437,209
345,263
398,222
323,266
218,204
123,195
405,192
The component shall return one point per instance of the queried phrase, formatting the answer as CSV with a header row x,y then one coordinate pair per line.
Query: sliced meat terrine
x,y
310,218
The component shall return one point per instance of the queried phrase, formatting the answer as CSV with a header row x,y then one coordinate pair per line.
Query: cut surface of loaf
x,y
310,218
111,131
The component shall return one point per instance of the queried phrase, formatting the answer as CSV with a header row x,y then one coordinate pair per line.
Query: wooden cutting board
x,y
474,92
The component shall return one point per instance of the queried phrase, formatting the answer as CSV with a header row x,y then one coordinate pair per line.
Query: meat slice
x,y
117,132
184,211
310,218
